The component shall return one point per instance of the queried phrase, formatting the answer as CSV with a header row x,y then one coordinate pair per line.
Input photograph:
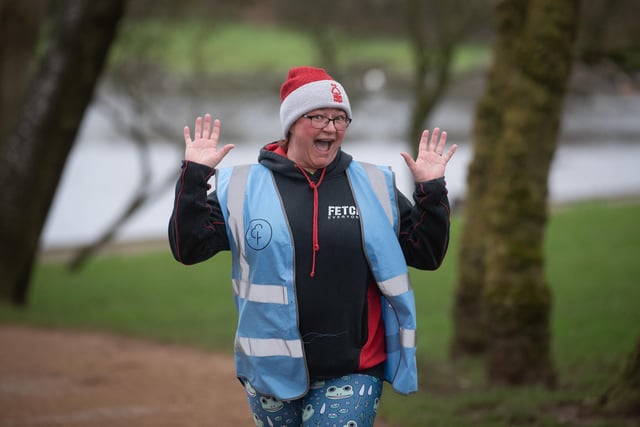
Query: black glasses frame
x,y
326,120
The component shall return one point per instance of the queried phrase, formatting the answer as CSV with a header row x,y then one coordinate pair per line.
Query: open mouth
x,y
323,144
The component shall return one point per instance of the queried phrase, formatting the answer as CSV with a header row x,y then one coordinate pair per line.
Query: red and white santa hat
x,y
307,89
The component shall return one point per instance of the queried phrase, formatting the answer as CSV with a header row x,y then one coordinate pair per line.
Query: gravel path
x,y
65,378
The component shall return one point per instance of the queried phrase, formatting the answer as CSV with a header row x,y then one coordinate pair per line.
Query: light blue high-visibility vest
x,y
269,351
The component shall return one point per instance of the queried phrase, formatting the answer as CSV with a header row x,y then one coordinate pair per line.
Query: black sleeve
x,y
196,228
424,226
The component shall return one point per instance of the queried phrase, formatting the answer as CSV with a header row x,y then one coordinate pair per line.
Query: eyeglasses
x,y
318,121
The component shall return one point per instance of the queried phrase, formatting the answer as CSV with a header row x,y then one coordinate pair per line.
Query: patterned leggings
x,y
348,401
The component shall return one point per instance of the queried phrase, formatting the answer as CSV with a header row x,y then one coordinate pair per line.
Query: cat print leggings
x,y
348,401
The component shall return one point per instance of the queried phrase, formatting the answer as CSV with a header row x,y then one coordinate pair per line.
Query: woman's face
x,y
312,148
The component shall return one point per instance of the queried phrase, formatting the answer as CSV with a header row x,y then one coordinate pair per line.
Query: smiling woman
x,y
314,113
313,144
317,239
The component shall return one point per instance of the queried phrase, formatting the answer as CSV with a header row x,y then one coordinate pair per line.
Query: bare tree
x,y
143,139
33,156
435,30
517,125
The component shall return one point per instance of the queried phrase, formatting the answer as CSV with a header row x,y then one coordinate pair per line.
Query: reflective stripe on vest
x,y
395,286
274,294
268,347
384,189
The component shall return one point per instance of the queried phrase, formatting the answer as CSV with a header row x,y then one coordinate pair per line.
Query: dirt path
x,y
62,378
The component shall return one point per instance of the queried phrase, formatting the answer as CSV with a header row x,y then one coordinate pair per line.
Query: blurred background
x,y
171,62
95,95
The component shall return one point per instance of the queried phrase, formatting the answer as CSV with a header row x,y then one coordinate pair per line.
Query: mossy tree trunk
x,y
502,299
19,30
533,56
469,332
624,396
33,156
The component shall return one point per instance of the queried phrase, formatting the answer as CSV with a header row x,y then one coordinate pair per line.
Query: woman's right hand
x,y
203,148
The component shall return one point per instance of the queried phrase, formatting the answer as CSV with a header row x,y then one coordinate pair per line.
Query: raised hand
x,y
203,148
430,163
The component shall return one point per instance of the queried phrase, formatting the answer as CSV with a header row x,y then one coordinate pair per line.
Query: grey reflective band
x,y
267,347
396,285
273,294
379,184
235,206
408,337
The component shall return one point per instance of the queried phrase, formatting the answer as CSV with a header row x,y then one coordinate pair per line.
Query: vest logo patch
x,y
342,212
258,235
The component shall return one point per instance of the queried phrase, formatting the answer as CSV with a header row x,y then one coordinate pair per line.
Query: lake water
x,y
598,157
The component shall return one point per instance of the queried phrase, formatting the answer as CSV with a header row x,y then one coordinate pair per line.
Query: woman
x,y
320,245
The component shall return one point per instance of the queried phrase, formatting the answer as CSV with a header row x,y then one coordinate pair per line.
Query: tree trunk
x,y
469,331
19,25
624,396
33,156
533,56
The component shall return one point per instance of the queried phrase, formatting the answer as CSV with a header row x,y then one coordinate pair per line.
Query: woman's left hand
x,y
431,161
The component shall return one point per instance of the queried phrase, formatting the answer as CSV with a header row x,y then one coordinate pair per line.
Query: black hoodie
x,y
338,301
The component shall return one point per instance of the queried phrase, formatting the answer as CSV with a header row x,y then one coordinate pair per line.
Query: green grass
x,y
146,295
592,267
593,270
595,276
184,47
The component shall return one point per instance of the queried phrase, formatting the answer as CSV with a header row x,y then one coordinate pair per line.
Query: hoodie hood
x,y
274,157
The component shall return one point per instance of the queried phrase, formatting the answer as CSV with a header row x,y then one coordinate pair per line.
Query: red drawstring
x,y
314,186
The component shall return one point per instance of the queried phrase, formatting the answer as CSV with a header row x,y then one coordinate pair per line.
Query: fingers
x,y
206,131
423,140
225,150
408,160
439,147
433,142
450,153
203,129
436,143
198,128
187,136
215,133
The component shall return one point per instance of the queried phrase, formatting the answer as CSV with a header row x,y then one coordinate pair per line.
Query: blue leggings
x,y
348,401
